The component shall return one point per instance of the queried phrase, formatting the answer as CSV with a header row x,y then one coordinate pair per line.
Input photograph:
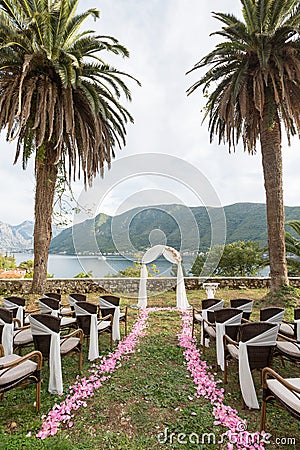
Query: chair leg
x,y
282,361
126,330
38,396
263,415
193,326
80,361
203,343
225,371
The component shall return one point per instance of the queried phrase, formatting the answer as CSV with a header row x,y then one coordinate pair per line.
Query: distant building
x,y
12,273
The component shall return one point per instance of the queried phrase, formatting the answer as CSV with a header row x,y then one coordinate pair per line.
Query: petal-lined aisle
x,y
206,386
235,436
84,387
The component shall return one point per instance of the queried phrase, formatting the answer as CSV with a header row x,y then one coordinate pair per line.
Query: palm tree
x,y
59,100
252,85
292,244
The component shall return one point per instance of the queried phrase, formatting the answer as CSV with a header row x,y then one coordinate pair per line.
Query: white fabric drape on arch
x,y
173,256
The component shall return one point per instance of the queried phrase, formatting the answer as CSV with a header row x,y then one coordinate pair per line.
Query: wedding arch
x,y
173,256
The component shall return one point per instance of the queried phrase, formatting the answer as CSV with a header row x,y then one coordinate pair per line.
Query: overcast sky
x,y
165,39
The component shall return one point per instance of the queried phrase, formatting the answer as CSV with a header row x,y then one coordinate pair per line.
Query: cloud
x,y
165,38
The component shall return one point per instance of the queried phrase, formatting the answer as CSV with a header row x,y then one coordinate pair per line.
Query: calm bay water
x,y
67,266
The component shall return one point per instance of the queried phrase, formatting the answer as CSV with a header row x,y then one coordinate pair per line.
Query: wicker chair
x,y
243,304
74,298
105,309
259,355
64,309
207,304
287,349
56,295
289,329
18,337
86,313
16,370
286,391
49,305
17,305
45,328
225,318
272,315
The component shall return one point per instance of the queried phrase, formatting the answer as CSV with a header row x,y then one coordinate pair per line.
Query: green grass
x,y
150,393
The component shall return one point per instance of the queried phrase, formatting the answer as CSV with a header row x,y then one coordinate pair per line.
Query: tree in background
x,y
7,262
252,87
88,274
59,100
239,259
174,268
292,243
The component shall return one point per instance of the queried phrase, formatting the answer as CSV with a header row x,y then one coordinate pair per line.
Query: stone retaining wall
x,y
131,285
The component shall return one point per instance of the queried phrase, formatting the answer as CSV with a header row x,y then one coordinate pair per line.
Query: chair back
x,y
297,313
76,297
7,333
258,356
55,295
84,320
49,305
244,304
267,314
42,341
17,305
19,301
105,310
296,325
211,302
223,315
6,315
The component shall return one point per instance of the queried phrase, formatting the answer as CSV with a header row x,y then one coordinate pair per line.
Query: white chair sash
x,y
297,325
94,343
220,332
246,307
72,301
20,311
246,381
142,301
104,304
45,309
204,315
277,318
55,378
7,337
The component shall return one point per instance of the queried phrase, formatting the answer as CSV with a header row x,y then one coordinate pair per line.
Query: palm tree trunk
x,y
46,175
270,138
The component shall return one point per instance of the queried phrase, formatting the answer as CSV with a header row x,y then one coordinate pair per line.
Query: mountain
x,y
18,238
130,231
